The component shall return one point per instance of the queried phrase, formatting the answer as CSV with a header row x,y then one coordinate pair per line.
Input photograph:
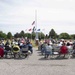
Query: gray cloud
x,y
50,13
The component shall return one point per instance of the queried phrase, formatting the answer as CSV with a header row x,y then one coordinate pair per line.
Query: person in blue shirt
x,y
30,47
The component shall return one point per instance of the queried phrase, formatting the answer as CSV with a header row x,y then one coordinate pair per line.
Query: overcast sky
x,y
17,15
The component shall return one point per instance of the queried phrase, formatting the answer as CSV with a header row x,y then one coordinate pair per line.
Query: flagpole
x,y
36,38
36,24
36,20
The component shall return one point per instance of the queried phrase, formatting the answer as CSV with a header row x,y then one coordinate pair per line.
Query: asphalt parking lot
x,y
35,64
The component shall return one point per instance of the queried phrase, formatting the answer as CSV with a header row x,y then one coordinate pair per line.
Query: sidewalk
x,y
37,65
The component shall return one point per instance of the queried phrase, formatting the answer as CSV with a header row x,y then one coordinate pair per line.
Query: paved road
x,y
37,65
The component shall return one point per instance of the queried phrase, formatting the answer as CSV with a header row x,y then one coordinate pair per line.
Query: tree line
x,y
41,35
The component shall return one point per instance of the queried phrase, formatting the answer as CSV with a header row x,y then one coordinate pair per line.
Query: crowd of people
x,y
61,47
24,47
15,47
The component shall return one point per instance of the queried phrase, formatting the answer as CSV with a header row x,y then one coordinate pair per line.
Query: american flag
x,y
33,23
30,29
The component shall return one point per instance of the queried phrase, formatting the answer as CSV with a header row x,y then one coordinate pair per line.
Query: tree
x,y
3,35
52,34
9,35
22,34
46,36
73,36
64,36
17,35
29,36
33,35
41,35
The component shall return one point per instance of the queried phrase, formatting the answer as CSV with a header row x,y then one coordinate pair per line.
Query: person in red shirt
x,y
1,52
63,50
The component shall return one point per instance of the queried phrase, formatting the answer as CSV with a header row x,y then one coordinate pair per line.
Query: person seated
x,y
63,50
48,50
16,48
7,49
30,47
24,48
70,47
1,52
43,48
1,45
73,54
